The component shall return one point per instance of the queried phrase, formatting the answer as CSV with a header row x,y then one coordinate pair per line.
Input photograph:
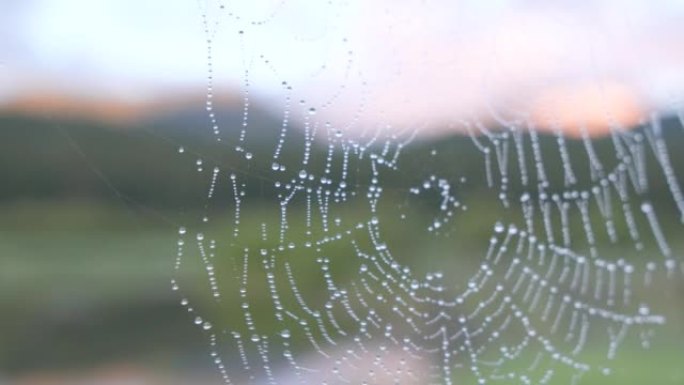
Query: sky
x,y
119,47
363,63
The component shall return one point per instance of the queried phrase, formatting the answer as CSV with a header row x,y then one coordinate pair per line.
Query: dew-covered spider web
x,y
381,212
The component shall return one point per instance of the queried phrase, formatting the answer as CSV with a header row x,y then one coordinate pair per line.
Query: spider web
x,y
350,250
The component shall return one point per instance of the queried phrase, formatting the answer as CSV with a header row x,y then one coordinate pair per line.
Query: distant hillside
x,y
46,158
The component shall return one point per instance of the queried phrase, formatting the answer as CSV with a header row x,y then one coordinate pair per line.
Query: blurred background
x,y
96,98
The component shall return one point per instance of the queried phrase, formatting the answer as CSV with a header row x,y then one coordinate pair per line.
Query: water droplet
x,y
646,207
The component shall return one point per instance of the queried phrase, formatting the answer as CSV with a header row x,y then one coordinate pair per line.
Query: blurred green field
x,y
88,230
85,284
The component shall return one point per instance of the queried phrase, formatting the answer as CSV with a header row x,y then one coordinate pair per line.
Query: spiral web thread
x,y
543,288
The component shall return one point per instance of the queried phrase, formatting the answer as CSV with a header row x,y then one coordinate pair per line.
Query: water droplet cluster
x,y
548,281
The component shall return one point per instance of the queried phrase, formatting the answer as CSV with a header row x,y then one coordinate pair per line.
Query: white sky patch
x,y
421,59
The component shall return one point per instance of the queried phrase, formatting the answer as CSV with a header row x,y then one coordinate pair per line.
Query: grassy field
x,y
86,284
